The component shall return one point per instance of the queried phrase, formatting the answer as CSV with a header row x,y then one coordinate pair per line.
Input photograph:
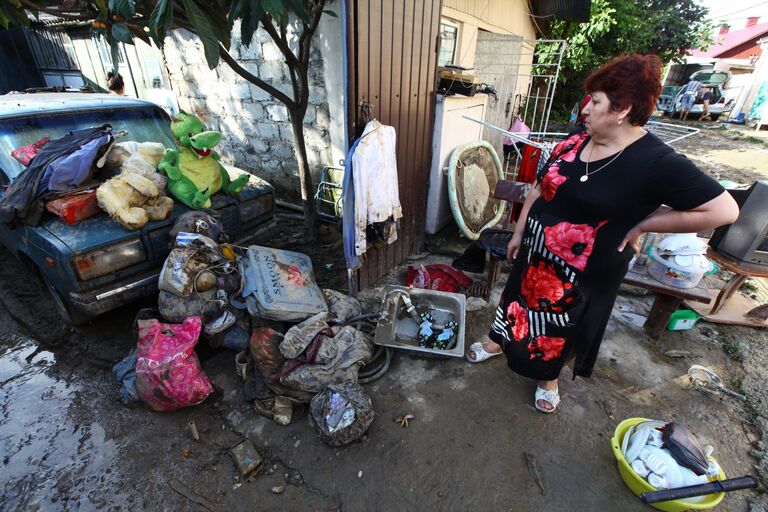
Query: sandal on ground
x,y
480,353
546,395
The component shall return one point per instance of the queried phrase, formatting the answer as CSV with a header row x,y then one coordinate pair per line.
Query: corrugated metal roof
x,y
566,10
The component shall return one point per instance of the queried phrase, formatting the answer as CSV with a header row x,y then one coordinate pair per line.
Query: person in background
x,y
116,84
707,101
601,189
690,92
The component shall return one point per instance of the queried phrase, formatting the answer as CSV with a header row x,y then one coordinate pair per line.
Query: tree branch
x,y
291,70
237,68
308,33
282,44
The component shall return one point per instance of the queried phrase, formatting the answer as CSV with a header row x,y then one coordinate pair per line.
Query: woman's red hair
x,y
630,81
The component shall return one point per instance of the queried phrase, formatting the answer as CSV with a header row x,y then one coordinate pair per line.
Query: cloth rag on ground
x,y
439,277
125,372
318,355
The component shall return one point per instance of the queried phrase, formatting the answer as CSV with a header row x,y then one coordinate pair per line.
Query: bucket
x,y
682,320
638,485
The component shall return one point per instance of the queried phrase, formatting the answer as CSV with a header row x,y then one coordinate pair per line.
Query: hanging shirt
x,y
348,211
375,182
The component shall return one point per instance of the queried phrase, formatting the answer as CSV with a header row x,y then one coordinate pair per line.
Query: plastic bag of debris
x,y
341,413
168,373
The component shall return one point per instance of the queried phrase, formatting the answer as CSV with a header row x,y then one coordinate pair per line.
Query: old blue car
x,y
96,265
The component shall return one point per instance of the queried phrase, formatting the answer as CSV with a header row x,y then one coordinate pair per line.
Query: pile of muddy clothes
x,y
292,343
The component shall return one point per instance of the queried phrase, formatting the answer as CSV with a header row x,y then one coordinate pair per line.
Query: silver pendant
x,y
584,178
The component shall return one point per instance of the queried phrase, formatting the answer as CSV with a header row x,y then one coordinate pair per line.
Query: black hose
x,y
387,361
364,316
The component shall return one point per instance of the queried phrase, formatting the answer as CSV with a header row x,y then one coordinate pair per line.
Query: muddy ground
x,y
68,443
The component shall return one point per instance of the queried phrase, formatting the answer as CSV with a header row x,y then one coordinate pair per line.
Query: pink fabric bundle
x,y
168,373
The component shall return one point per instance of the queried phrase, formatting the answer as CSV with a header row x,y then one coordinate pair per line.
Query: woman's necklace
x,y
586,169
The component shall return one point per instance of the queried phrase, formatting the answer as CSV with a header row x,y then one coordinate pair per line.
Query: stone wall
x,y
257,134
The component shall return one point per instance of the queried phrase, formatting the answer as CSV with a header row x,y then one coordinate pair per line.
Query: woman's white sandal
x,y
547,395
480,353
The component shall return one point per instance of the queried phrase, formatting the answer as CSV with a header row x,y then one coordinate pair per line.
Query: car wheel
x,y
67,312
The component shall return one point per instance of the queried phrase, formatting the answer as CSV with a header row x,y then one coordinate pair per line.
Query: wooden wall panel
x,y
392,56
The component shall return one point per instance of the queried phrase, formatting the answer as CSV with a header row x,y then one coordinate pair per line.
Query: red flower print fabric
x,y
569,153
551,181
516,315
571,242
541,286
546,348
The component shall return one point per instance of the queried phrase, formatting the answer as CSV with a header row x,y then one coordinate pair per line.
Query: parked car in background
x,y
96,265
671,96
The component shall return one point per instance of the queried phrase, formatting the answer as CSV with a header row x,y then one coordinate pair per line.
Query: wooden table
x,y
741,270
668,298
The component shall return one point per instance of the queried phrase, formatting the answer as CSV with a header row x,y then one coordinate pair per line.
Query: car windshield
x,y
143,124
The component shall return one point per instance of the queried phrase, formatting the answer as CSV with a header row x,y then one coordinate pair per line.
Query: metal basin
x,y
397,329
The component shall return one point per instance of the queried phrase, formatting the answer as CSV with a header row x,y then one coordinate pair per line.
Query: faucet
x,y
406,298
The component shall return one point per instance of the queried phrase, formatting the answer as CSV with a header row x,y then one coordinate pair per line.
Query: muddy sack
x,y
341,307
264,346
168,373
341,413
180,271
280,285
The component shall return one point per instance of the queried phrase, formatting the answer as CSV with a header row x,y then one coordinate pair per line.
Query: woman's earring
x,y
619,121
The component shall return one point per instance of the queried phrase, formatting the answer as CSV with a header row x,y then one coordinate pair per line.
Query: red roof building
x,y
740,44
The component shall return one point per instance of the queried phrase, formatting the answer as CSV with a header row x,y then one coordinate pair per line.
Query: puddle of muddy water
x,y
50,461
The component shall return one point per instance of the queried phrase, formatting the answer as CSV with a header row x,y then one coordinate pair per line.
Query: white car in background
x,y
671,96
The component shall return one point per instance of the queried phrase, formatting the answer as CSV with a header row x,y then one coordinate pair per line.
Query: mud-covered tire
x,y
66,311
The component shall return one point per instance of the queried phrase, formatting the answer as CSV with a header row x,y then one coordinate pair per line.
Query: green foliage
x,y
11,13
666,28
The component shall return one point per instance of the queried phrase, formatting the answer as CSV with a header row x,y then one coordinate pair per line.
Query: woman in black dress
x,y
603,188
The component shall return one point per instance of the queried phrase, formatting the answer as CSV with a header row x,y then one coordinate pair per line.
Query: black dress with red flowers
x,y
564,282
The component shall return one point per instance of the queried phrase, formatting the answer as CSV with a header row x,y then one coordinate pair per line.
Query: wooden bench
x,y
668,298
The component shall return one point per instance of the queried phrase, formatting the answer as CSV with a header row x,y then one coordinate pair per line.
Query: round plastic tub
x,y
666,274
638,485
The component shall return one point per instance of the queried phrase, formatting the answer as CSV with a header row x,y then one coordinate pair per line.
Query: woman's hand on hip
x,y
632,239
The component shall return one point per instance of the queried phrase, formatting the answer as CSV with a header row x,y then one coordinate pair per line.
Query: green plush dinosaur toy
x,y
193,168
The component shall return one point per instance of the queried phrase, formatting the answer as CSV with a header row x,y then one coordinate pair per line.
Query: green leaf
x,y
204,30
160,21
122,33
103,6
330,13
124,8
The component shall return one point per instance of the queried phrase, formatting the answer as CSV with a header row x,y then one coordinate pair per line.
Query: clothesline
x,y
517,137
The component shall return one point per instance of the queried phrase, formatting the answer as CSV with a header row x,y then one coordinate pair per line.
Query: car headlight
x,y
109,259
253,208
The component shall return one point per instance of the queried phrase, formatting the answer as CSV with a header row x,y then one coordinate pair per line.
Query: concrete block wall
x,y
256,131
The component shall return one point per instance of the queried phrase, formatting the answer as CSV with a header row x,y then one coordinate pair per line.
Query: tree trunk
x,y
305,176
